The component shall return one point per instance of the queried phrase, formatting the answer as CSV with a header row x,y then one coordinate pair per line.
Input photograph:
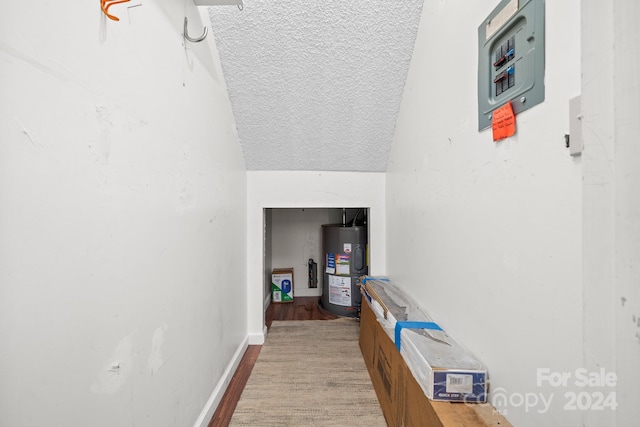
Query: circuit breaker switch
x,y
501,82
511,47
501,61
510,54
503,75
511,72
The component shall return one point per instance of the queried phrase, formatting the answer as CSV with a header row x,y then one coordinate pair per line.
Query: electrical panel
x,y
511,58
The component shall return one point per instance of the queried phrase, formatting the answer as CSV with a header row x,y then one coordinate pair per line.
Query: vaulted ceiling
x,y
316,85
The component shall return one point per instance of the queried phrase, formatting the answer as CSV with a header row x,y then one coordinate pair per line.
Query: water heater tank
x,y
344,251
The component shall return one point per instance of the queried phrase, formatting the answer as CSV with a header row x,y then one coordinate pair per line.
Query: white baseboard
x,y
216,396
258,339
307,292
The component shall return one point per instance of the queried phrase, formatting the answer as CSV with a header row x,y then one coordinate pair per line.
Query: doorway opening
x,y
293,239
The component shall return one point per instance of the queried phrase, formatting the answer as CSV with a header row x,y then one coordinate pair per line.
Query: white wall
x,y
123,218
487,236
611,204
296,237
270,189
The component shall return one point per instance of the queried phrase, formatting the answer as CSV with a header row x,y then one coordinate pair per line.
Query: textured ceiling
x,y
316,85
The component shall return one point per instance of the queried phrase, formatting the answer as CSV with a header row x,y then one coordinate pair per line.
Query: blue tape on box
x,y
367,278
414,325
366,294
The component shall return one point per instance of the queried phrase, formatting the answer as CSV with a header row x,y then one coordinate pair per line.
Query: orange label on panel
x,y
503,122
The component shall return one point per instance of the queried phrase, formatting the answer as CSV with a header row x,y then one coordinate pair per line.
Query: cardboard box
x,y
442,367
403,402
384,364
282,285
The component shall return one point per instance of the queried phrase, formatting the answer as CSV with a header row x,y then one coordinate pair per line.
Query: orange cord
x,y
106,4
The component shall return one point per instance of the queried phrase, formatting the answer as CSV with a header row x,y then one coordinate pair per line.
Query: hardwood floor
x,y
227,405
302,308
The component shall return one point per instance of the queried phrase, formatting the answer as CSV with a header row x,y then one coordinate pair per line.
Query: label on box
x,y
457,383
459,386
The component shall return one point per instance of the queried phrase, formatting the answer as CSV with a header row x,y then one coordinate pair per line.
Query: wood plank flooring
x,y
302,308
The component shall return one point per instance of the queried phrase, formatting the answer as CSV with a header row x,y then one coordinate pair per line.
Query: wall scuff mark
x,y
115,371
155,358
